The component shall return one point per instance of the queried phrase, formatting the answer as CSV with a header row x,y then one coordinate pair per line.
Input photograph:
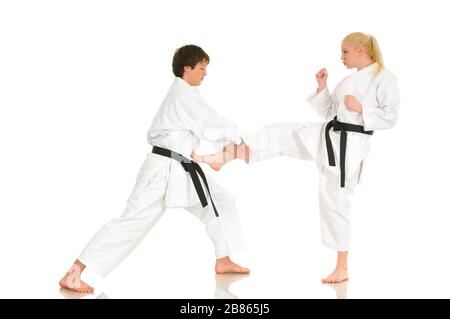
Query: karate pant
x,y
116,239
335,202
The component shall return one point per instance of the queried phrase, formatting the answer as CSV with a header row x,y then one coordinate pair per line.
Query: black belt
x,y
343,128
193,168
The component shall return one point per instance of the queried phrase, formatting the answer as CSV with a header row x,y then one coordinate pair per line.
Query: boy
x,y
168,179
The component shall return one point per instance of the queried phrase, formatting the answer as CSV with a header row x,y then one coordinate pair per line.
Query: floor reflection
x,y
223,283
340,289
102,296
70,294
222,289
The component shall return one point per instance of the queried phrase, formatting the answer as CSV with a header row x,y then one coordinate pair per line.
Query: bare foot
x,y
225,265
229,153
72,280
196,157
338,275
216,166
213,160
243,152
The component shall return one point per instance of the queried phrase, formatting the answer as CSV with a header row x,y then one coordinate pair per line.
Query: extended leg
x,y
116,239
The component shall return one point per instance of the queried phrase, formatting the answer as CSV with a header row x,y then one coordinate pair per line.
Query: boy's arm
x,y
211,126
215,128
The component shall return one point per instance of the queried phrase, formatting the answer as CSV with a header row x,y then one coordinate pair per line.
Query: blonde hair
x,y
370,44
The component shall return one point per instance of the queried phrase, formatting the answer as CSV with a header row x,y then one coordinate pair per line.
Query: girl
x,y
361,103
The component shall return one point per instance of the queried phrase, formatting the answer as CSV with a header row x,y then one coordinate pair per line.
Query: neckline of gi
x,y
183,83
369,67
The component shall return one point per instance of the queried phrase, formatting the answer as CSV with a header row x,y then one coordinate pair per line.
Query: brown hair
x,y
188,55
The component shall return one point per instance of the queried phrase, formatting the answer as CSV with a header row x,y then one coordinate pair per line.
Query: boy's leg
x,y
225,230
116,239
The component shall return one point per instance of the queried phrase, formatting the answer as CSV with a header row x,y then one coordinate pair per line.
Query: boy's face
x,y
194,76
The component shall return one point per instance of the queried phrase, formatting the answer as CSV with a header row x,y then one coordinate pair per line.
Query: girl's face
x,y
350,54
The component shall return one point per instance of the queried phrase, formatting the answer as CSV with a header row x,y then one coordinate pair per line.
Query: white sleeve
x,y
384,114
322,103
215,128
211,126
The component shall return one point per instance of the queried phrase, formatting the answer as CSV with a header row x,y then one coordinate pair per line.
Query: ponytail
x,y
370,45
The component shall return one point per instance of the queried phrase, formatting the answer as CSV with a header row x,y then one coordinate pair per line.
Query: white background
x,y
80,82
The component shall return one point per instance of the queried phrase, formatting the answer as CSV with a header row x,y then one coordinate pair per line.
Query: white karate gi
x,y
380,102
182,120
